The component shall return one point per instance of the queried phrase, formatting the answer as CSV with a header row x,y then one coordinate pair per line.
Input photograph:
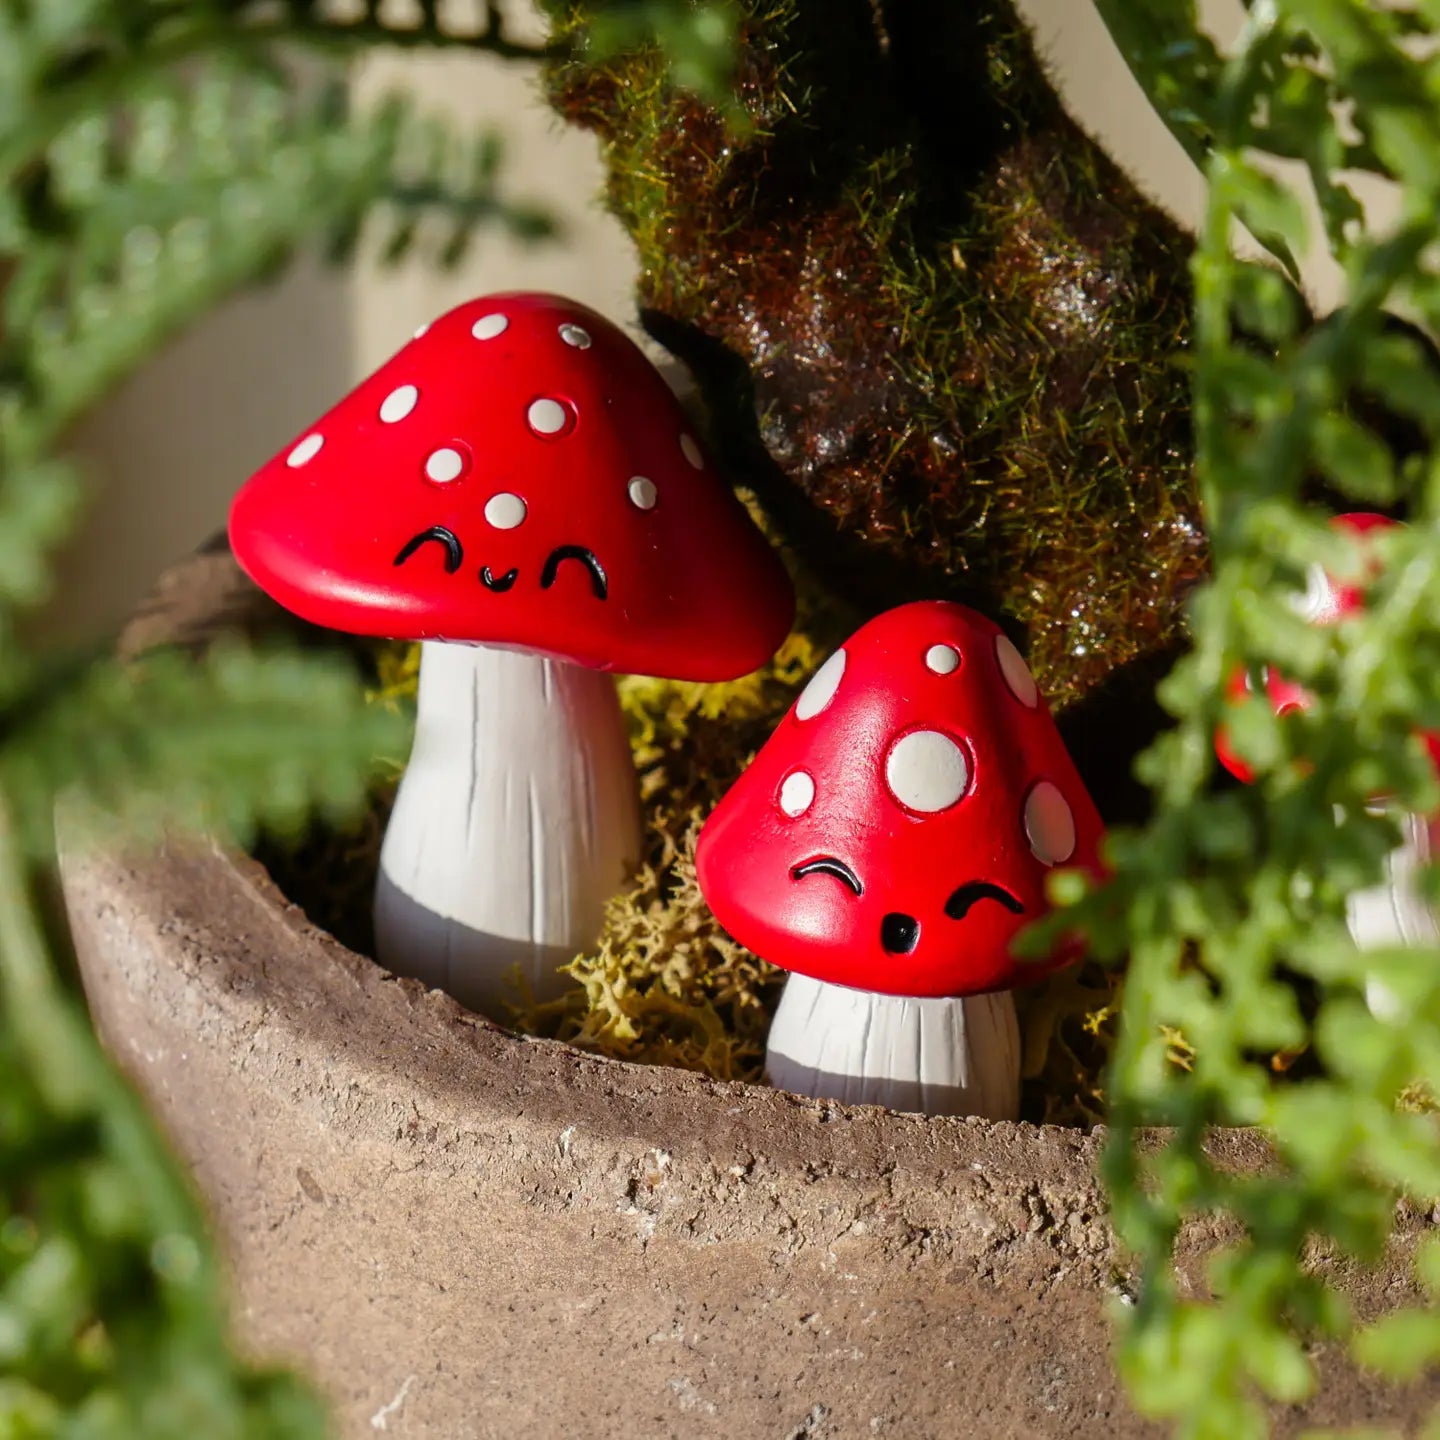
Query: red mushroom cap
x,y
895,832
518,475
1325,602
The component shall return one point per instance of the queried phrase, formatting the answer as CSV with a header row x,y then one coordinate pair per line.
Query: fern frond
x,y
147,218
226,743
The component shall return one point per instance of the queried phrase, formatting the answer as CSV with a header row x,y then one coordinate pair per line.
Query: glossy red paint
x,y
922,767
519,475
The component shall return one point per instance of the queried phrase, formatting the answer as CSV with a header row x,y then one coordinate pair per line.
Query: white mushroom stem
x,y
516,820
1394,912
938,1057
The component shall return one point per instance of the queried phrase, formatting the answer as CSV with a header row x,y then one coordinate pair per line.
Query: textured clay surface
x,y
461,1233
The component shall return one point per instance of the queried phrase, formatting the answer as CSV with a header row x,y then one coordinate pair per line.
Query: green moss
x,y
935,322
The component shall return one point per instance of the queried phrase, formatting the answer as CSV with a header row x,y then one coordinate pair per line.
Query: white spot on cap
x,y
797,793
505,511
942,659
575,335
487,327
822,687
690,449
926,771
1318,600
398,404
547,417
643,493
1016,672
1049,824
444,465
305,451
422,330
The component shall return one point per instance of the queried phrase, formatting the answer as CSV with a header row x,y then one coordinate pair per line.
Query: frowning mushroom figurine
x,y
1394,912
519,489
887,844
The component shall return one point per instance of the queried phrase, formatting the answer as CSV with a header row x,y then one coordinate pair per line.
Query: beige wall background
x,y
166,454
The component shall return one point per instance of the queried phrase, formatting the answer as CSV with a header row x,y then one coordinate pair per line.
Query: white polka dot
x,y
399,403
445,465
1016,672
1049,824
822,687
421,331
926,771
643,493
547,417
305,451
1318,600
487,327
574,335
504,511
797,794
691,451
942,659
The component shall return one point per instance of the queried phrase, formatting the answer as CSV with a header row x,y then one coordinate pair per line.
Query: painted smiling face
x,y
896,831
518,475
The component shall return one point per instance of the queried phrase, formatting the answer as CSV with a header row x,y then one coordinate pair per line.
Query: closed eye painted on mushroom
x,y
599,581
829,865
454,551
963,897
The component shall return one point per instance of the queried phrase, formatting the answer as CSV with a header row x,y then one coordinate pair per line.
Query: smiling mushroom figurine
x,y
887,844
519,489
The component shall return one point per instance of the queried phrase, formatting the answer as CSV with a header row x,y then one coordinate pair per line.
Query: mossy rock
x,y
936,327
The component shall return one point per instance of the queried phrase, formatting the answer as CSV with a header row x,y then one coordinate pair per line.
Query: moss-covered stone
x,y
935,324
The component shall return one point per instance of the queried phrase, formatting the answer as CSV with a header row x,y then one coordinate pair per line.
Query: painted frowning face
x,y
518,475
896,831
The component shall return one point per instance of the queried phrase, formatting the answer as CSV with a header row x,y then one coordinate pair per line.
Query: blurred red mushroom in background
x,y
887,844
1392,912
519,489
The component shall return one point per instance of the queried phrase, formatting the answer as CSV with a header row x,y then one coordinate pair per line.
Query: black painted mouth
x,y
582,556
454,551
973,891
498,583
829,865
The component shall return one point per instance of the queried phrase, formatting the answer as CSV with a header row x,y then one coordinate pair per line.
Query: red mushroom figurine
x,y
887,844
1392,912
519,489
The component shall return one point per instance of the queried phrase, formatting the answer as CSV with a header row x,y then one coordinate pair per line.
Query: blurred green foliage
x,y
1231,903
155,155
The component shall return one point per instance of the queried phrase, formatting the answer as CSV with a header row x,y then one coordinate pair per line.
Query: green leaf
x,y
226,742
1402,1345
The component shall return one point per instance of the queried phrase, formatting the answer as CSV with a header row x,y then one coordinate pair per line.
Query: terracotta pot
x,y
461,1233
